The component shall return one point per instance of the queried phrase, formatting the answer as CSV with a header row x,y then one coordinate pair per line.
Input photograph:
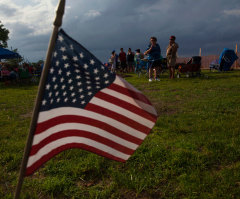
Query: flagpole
x,y
57,23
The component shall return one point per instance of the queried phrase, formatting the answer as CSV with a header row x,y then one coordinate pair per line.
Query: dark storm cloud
x,y
105,25
130,24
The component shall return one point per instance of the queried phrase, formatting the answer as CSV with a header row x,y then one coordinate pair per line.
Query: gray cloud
x,y
104,25
7,10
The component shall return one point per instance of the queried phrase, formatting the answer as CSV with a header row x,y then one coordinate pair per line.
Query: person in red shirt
x,y
123,60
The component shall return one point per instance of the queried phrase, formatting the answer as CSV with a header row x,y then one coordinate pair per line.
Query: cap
x,y
172,38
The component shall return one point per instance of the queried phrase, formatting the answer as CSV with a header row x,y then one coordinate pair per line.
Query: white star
x,y
102,67
78,77
63,49
55,86
65,93
50,94
58,99
85,66
44,102
89,87
97,78
51,70
68,73
106,82
76,65
77,71
57,63
56,94
105,75
92,61
82,96
89,93
66,99
98,87
60,38
88,82
87,73
55,54
60,72
80,90
74,100
66,65
75,58
79,83
64,57
62,79
97,83
54,79
51,101
71,88
87,77
83,102
73,94
81,55
71,47
63,87
47,86
70,81
96,71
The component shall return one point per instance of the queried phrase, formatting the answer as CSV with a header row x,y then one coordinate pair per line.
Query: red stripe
x,y
129,93
126,106
41,127
118,117
84,134
30,170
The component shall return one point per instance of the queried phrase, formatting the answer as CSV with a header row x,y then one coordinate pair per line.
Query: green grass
x,y
192,152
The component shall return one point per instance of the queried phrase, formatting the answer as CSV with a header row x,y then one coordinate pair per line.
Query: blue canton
x,y
74,77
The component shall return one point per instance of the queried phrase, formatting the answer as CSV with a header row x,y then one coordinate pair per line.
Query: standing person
x,y
154,55
123,59
130,60
137,59
113,61
172,55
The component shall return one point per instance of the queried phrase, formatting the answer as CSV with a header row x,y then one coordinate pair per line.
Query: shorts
x,y
154,64
123,64
171,62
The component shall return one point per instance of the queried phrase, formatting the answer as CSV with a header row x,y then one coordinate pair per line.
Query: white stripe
x,y
53,145
130,100
84,127
122,111
122,82
46,115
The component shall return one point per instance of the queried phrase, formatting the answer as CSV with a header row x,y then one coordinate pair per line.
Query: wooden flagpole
x,y
57,23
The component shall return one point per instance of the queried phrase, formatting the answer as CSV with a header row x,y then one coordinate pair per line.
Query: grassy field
x,y
192,152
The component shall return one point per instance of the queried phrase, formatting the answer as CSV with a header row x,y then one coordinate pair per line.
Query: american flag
x,y
87,106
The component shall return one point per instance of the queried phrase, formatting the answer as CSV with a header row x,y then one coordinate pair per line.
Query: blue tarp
x,y
227,58
7,54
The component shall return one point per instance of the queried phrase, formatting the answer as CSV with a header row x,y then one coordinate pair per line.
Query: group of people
x,y
11,73
153,54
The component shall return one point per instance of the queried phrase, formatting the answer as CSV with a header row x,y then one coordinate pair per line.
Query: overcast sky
x,y
105,25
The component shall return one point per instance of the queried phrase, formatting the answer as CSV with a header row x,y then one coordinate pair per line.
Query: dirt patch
x,y
163,109
26,115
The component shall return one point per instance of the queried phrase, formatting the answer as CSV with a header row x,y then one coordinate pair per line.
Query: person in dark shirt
x,y
123,59
154,54
130,60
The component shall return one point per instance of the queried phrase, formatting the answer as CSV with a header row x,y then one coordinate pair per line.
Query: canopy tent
x,y
7,54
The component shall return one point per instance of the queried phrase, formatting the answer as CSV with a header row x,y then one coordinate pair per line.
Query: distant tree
x,y
3,36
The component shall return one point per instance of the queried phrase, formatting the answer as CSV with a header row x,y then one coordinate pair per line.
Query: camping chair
x,y
226,60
